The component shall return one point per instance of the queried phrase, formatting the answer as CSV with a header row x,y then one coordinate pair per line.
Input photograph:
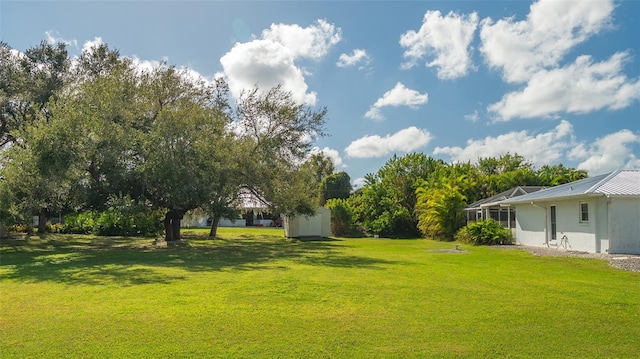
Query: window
x,y
584,212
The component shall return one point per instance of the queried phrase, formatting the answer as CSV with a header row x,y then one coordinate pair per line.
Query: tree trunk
x,y
172,225
42,223
176,226
168,231
3,231
214,226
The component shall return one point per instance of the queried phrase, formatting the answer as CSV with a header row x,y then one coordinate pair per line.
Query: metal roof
x,y
513,192
624,183
618,183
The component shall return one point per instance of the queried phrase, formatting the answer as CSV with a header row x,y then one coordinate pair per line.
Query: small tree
x,y
337,185
440,210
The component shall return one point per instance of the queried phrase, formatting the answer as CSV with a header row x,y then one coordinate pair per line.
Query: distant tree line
x,y
416,195
97,134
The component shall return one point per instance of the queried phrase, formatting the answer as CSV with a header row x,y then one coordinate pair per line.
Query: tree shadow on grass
x,y
121,261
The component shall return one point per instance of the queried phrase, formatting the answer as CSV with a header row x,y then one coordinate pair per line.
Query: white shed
x,y
316,226
599,214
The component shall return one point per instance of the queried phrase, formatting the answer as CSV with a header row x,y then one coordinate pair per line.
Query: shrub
x,y
485,232
21,228
341,216
80,223
124,217
53,227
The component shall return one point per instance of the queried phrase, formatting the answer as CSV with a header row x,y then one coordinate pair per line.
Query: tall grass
x,y
253,293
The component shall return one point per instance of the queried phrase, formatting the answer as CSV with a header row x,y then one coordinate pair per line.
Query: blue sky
x,y
555,81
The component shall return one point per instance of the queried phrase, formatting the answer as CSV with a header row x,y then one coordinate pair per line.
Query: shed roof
x,y
618,183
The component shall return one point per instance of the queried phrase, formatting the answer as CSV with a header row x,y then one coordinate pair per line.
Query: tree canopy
x,y
76,136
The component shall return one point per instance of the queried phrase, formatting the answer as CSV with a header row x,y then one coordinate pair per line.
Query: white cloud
x,y
447,38
312,42
145,65
267,64
89,45
552,28
473,117
580,87
359,182
405,140
358,56
334,155
541,149
53,37
397,96
608,153
270,60
374,113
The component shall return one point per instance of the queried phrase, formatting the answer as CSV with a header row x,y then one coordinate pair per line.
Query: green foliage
x,y
80,223
484,232
124,217
21,228
341,217
385,205
54,227
336,185
103,128
440,210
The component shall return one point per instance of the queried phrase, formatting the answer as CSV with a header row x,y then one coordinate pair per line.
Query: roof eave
x,y
552,199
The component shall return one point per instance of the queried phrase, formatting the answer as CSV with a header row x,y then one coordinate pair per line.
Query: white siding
x,y
613,225
530,225
601,216
318,225
625,225
533,225
224,222
578,236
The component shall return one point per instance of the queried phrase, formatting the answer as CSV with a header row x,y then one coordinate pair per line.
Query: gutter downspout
x,y
609,240
546,222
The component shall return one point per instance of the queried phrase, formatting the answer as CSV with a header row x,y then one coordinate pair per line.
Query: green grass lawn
x,y
254,294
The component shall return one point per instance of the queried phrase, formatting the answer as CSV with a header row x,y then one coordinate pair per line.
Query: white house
x,y
253,210
599,214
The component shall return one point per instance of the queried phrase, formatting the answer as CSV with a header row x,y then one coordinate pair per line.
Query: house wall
x,y
533,225
625,225
530,225
194,221
601,213
572,233
225,222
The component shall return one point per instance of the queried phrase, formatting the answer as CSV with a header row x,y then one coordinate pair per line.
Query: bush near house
x,y
484,232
